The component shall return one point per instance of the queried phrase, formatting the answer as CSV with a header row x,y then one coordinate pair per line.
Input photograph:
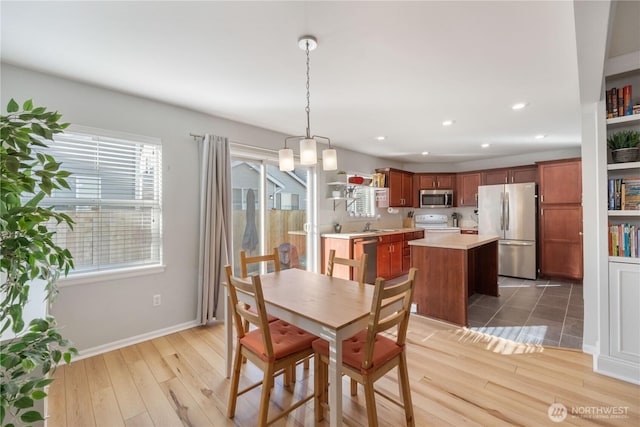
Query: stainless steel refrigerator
x,y
510,211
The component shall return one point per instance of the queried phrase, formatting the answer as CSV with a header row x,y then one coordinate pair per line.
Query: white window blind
x,y
364,203
114,200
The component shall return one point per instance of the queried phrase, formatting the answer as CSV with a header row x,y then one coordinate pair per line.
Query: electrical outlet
x,y
157,300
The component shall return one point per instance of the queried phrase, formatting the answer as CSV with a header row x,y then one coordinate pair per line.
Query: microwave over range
x,y
436,198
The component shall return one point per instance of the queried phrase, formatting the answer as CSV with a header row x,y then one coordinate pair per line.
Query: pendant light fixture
x,y
308,152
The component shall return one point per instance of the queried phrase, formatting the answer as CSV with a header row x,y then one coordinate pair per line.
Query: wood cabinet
x,y
390,254
512,175
560,181
467,189
406,249
468,231
400,185
429,181
561,219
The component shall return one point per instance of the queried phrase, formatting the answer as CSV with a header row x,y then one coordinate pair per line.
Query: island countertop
x,y
454,240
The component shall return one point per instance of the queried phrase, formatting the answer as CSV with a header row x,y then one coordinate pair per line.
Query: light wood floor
x,y
458,377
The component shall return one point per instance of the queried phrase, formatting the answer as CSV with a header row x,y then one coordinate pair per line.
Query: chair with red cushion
x,y
369,355
273,347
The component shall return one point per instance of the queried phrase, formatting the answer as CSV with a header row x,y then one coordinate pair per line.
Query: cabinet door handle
x,y
579,233
542,198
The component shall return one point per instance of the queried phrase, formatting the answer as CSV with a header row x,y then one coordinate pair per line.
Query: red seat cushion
x,y
270,318
353,350
286,339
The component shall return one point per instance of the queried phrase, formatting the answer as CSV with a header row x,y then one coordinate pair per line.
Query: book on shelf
x,y
623,194
623,240
619,101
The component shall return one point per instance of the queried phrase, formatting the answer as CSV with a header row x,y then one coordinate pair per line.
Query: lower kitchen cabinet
x,y
406,249
390,255
561,241
624,316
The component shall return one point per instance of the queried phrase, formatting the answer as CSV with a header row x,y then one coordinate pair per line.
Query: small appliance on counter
x,y
435,223
454,218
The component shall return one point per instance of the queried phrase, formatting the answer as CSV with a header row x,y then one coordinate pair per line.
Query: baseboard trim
x,y
590,349
616,368
104,348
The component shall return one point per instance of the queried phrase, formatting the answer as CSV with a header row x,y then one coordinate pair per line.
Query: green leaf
x,y
23,402
67,357
28,105
13,106
38,395
31,416
12,163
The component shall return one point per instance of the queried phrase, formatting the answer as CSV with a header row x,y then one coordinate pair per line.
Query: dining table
x,y
329,307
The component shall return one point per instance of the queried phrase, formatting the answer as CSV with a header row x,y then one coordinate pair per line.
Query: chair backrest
x,y
400,317
253,289
246,260
360,265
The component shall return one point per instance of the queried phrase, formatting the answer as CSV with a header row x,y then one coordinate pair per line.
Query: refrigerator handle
x,y
506,205
501,211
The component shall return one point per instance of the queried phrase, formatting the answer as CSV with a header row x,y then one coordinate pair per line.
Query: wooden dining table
x,y
331,308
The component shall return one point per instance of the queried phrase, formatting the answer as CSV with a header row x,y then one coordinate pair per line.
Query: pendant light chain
x,y
308,108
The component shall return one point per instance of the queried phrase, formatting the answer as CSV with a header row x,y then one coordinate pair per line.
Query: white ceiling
x,y
381,68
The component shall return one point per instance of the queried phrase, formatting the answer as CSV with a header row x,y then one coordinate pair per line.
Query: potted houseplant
x,y
624,145
29,257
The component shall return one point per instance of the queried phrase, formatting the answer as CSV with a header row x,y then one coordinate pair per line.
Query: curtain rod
x,y
237,144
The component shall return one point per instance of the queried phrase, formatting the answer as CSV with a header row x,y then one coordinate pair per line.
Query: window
x,y
364,203
114,199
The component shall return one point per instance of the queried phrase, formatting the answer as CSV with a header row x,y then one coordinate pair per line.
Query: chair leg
x,y
370,399
318,387
267,383
245,325
235,381
354,387
403,379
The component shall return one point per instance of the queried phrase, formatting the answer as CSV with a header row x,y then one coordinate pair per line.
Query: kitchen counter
x,y
454,240
378,232
451,268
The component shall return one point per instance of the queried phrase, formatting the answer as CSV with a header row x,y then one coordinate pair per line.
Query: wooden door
x,y
560,181
395,188
384,256
426,182
494,176
407,189
523,174
561,241
445,181
468,189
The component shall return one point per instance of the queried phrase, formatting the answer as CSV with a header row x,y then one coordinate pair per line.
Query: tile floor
x,y
532,311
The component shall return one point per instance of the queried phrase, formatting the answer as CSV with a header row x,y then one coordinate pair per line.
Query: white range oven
x,y
435,223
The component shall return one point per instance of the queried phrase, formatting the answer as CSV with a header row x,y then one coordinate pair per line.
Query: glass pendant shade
x,y
285,159
308,153
329,159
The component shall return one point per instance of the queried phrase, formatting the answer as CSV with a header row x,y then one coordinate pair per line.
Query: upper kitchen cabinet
x,y
429,181
512,175
560,181
400,185
467,189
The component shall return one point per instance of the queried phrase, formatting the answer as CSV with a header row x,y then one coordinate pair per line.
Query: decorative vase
x,y
624,155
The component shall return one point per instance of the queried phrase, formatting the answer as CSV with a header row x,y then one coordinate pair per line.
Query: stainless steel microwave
x,y
436,198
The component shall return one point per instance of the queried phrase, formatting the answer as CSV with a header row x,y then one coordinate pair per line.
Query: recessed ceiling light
x,y
519,106
448,122
425,153
485,145
380,138
540,136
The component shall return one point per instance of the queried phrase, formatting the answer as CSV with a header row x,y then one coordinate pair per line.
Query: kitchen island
x,y
451,268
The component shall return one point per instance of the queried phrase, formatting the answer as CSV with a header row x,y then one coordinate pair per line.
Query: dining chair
x,y
273,347
359,266
369,355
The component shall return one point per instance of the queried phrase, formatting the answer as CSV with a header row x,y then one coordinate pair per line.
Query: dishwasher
x,y
369,246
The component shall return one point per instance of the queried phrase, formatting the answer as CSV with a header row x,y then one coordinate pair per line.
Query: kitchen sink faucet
x,y
367,227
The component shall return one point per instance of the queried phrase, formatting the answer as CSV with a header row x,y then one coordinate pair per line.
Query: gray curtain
x,y
215,221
